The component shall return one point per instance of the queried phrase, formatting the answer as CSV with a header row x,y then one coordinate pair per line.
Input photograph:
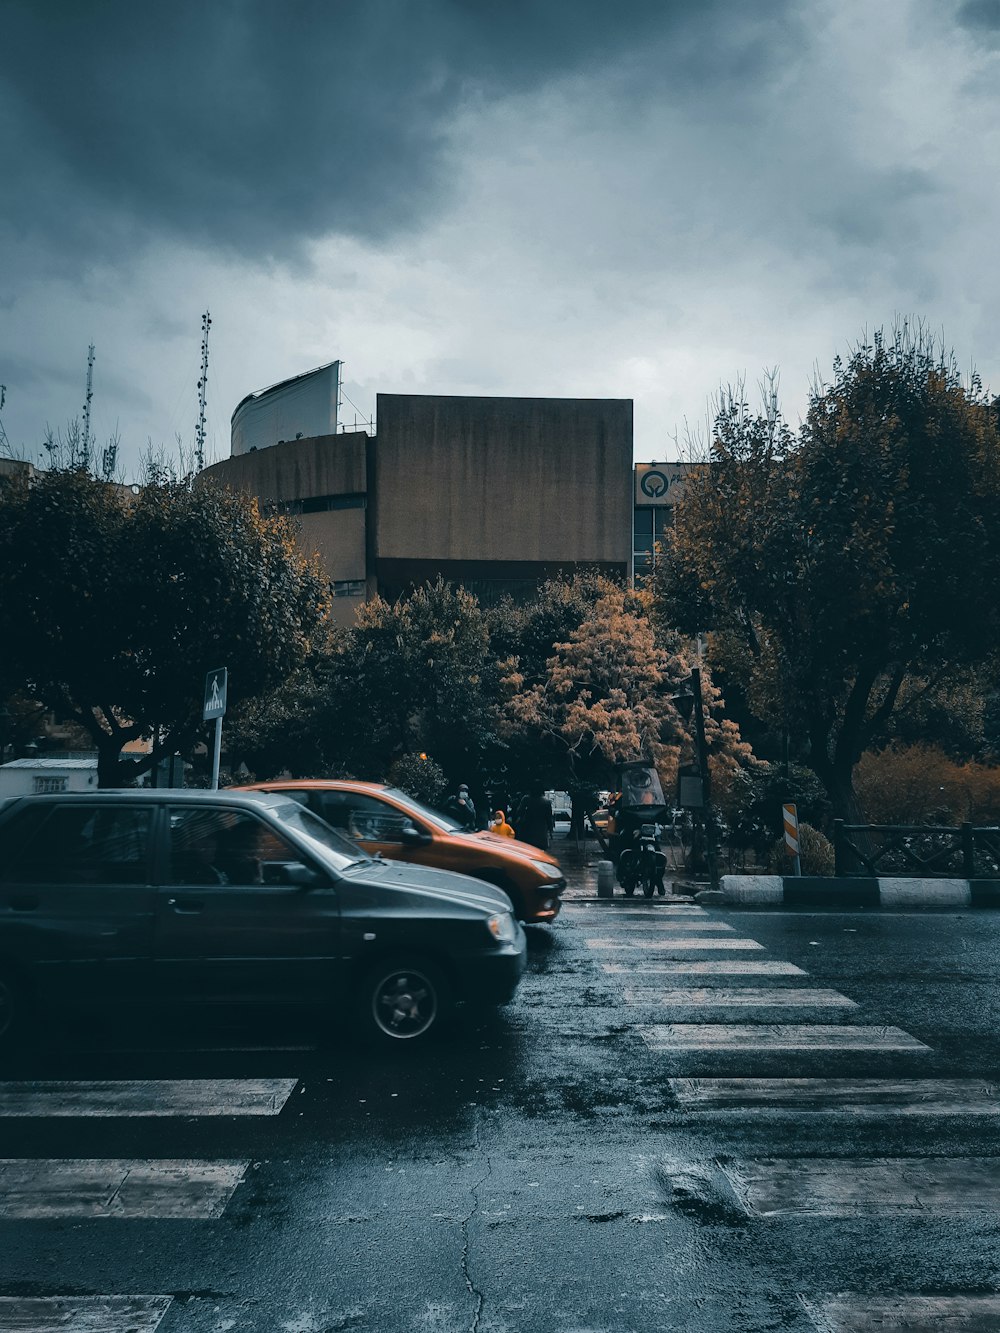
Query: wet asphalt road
x,y
549,1167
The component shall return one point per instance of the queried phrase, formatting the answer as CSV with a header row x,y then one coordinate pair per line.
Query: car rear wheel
x,y
404,1000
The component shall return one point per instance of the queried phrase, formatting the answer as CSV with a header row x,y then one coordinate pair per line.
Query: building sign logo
x,y
654,484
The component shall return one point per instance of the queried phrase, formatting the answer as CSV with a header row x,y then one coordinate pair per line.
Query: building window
x,y
650,522
315,504
348,587
44,786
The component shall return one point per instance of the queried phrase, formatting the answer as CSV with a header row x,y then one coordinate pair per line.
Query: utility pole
x,y
711,852
688,704
85,444
199,435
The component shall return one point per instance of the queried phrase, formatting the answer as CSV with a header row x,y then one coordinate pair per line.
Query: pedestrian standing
x,y
462,809
535,821
500,825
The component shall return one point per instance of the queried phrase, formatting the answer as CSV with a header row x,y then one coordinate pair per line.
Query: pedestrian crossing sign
x,y
216,685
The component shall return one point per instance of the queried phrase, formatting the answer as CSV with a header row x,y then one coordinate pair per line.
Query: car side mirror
x,y
297,875
413,837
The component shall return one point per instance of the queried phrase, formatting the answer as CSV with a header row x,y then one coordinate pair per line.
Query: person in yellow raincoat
x,y
501,826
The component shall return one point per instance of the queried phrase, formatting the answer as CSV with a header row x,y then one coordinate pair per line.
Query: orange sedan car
x,y
385,820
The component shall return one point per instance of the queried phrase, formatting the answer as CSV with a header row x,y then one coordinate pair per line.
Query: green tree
x,y
523,637
843,571
410,676
114,605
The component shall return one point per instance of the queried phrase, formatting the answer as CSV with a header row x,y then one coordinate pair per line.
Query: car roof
x,y
112,795
334,784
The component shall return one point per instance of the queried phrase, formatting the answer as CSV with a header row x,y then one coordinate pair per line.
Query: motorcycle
x,y
641,865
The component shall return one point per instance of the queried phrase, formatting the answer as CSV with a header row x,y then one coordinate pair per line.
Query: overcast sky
x,y
539,197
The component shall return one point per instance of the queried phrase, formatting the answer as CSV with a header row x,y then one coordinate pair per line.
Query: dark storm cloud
x,y
249,125
983,15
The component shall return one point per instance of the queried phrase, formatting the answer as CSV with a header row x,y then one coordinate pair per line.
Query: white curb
x,y
924,892
753,888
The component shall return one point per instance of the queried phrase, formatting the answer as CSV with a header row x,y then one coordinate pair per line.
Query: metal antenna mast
x,y
199,435
85,443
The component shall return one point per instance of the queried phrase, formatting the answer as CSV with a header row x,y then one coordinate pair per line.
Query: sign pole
x,y
217,753
216,691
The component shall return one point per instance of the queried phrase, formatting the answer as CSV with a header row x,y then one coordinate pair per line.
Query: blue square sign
x,y
216,684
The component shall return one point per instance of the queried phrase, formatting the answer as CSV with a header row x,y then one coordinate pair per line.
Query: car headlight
x,y
502,928
547,870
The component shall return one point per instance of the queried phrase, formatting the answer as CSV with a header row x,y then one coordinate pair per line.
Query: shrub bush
x,y
815,853
920,784
419,777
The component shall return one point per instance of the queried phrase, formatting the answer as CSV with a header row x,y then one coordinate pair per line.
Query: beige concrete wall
x,y
297,469
328,465
501,479
337,537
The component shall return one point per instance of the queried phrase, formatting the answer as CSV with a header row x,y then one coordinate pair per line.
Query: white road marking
x,y
670,945
912,1096
863,1187
623,909
148,1097
743,997
649,928
82,1314
721,967
49,1187
849,1313
751,1037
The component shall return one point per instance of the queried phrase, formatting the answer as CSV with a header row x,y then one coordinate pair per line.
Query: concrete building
x,y
658,487
494,493
45,773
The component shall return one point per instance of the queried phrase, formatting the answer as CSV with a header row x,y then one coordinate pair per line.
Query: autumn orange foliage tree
x,y
916,784
605,697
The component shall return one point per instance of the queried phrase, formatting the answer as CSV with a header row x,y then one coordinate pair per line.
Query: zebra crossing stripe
x,y
720,967
82,1314
746,997
752,1037
914,1096
65,1187
637,908
865,1187
666,927
672,945
149,1097
850,1313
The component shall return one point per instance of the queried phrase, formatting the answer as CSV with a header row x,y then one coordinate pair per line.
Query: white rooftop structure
x,y
296,408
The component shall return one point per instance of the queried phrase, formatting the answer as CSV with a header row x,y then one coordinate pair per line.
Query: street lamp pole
x,y
711,853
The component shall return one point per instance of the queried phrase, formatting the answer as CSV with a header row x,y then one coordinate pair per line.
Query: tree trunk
x,y
108,750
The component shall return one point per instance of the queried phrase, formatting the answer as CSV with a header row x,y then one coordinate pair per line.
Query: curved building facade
x,y
295,409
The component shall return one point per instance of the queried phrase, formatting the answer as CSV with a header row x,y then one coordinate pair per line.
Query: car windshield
x,y
435,817
334,846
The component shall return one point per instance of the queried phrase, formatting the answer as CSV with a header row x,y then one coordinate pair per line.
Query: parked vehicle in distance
x,y
562,806
151,897
387,821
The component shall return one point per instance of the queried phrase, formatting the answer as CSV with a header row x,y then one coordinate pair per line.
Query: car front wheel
x,y
403,1000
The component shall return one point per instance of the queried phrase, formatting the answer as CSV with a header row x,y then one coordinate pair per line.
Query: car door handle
x,y
186,904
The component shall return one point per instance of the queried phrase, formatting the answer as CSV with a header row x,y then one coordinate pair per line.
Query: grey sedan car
x,y
133,897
